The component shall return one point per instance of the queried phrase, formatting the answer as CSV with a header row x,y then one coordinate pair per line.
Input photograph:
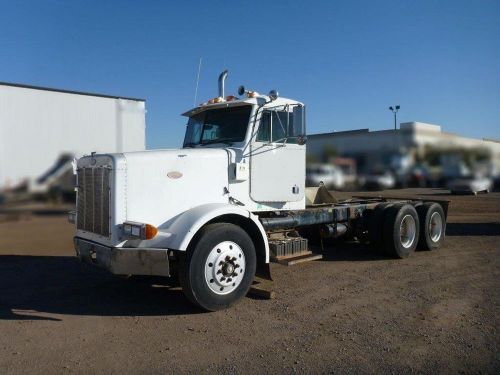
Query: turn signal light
x,y
151,231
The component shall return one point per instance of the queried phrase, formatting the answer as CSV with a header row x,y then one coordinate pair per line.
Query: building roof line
x,y
42,88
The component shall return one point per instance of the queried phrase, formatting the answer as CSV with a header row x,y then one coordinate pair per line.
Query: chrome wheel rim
x,y
435,227
407,231
225,267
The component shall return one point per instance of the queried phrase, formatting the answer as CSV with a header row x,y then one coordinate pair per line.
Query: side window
x,y
264,132
276,126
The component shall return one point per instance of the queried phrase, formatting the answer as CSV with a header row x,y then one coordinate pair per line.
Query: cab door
x,y
278,154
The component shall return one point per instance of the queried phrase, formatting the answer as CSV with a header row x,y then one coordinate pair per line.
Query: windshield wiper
x,y
190,144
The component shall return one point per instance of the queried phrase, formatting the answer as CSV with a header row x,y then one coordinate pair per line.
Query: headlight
x,y
134,230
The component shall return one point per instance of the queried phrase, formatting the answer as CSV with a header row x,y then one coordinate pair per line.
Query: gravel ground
x,y
352,312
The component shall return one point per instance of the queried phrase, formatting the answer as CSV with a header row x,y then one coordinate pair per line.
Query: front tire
x,y
219,266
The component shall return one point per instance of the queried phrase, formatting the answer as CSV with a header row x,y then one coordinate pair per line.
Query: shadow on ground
x,y
350,251
473,229
33,287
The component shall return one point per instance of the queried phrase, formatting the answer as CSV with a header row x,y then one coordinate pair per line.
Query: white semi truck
x,y
232,199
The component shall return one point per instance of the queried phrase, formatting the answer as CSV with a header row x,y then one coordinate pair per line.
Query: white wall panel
x,y
36,126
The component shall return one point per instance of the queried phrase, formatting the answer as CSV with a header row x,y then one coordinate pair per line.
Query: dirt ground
x,y
352,312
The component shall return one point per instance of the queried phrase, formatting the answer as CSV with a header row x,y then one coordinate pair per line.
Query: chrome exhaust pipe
x,y
222,79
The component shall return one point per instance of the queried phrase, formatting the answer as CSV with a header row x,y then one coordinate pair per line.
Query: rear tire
x,y
432,226
219,267
401,230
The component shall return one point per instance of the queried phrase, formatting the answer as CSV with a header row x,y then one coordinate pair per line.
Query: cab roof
x,y
259,100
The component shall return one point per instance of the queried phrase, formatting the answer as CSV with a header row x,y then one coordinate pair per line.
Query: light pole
x,y
394,110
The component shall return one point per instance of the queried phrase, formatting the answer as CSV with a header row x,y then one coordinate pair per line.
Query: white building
x,y
39,124
378,147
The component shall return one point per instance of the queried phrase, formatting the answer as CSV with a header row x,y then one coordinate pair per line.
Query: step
x,y
297,259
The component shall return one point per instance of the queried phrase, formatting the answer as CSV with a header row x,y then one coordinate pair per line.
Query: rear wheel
x,y
432,226
219,267
401,229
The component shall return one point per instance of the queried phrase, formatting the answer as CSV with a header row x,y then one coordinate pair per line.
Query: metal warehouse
x,y
39,124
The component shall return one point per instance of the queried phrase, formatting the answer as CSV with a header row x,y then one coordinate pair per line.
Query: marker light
x,y
133,230
216,100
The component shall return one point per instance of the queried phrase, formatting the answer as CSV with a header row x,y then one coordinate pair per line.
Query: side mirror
x,y
241,90
301,140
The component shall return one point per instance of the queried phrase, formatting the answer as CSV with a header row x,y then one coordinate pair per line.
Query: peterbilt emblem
x,y
174,174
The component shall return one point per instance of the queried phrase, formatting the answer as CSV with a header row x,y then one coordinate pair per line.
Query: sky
x,y
348,61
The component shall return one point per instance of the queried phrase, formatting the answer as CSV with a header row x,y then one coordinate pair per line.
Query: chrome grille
x,y
93,200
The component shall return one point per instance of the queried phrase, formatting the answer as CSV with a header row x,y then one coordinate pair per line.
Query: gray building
x,y
413,140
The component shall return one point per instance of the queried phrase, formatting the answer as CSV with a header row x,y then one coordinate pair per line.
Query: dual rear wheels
x,y
401,228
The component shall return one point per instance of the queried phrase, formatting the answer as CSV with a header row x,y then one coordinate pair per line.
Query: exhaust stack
x,y
222,79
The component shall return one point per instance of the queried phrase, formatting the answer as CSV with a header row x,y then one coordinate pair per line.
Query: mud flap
x,y
263,271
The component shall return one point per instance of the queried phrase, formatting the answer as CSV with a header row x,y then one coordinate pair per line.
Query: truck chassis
x,y
394,226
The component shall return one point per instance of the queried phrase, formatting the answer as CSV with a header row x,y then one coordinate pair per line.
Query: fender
x,y
178,233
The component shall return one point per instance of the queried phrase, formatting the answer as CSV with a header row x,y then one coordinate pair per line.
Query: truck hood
x,y
152,187
159,185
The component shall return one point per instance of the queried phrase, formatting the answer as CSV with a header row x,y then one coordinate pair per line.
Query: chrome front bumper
x,y
123,261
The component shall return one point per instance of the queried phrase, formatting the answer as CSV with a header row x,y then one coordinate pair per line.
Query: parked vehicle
x,y
378,180
217,211
348,168
470,185
330,175
57,183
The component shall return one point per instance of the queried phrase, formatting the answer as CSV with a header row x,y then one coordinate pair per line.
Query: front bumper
x,y
123,261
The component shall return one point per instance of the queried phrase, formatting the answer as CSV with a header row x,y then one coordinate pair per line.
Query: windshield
x,y
223,125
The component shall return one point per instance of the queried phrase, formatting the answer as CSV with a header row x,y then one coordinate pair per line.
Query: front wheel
x,y
219,267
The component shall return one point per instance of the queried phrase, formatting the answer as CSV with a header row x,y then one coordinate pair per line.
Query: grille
x,y
93,200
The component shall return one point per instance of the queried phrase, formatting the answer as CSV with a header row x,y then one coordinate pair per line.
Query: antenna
x,y
197,81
